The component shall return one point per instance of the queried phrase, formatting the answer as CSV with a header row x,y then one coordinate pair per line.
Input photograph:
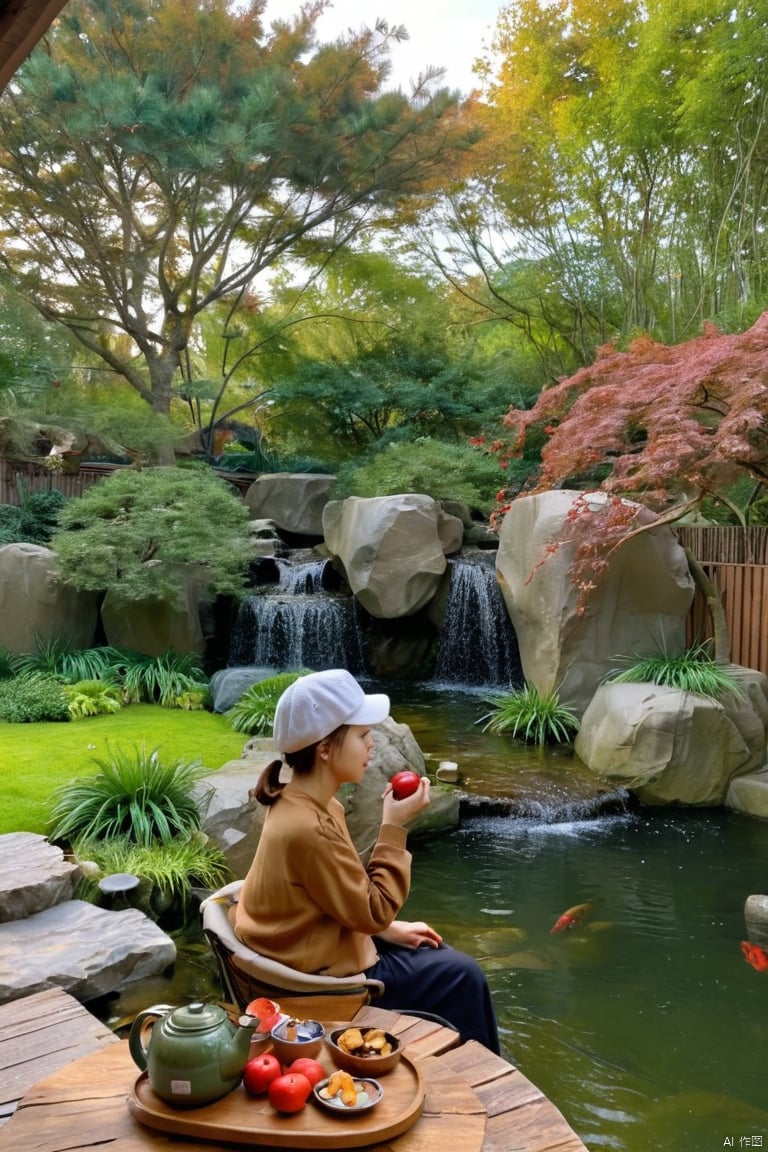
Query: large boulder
x,y
673,747
228,684
292,501
34,875
392,549
155,624
234,820
639,606
35,607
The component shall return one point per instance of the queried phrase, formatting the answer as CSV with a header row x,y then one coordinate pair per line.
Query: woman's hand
x,y
401,811
411,934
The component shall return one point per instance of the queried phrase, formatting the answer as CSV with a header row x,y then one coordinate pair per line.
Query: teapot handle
x,y
141,1032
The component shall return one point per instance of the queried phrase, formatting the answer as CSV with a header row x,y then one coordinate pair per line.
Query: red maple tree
x,y
664,425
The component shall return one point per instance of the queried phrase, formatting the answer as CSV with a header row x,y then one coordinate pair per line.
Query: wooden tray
x,y
243,1119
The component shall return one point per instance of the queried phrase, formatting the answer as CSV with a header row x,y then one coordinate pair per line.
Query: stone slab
x,y
33,875
749,794
87,951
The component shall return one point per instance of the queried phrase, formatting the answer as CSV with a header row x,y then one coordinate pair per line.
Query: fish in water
x,y
755,955
571,917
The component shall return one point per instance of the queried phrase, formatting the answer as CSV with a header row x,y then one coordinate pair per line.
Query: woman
x,y
309,901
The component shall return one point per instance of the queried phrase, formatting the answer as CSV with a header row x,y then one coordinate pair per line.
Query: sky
x,y
446,34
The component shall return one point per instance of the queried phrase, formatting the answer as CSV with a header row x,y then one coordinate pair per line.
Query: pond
x,y
643,1024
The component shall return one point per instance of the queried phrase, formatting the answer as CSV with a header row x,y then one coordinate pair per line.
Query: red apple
x,y
312,1069
289,1093
404,783
259,1073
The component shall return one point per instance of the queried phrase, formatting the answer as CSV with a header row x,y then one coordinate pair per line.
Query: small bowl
x,y
369,1093
309,1040
363,1066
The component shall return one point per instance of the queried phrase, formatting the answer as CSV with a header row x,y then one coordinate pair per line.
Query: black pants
x,y
441,981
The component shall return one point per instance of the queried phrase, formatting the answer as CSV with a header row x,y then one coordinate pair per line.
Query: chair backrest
x,y
246,974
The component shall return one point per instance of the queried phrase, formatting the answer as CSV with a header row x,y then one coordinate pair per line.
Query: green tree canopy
x,y
137,532
157,158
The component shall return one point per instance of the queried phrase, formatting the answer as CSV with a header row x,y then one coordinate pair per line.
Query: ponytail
x,y
268,787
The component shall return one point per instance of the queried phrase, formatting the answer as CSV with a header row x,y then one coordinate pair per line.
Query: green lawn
x,y
36,758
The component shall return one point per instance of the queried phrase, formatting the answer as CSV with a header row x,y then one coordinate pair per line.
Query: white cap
x,y
317,704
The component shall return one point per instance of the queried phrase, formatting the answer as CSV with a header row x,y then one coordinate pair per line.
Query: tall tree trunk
x,y
715,605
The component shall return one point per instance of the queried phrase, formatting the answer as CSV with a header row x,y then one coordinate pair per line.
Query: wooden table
x,y
474,1101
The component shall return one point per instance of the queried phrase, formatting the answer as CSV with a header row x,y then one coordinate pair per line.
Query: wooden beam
x,y
22,24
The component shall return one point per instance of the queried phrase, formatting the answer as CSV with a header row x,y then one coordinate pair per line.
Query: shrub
x,y
170,868
535,717
173,680
60,659
36,518
92,698
443,470
135,794
32,699
254,712
693,670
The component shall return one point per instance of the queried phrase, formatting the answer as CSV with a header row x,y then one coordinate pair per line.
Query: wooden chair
x,y
246,974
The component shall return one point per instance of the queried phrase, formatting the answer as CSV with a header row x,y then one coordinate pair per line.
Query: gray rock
x,y
35,607
638,608
85,950
228,684
33,875
294,501
749,794
154,625
668,746
756,919
392,549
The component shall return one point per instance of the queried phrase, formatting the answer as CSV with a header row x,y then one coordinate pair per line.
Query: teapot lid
x,y
196,1017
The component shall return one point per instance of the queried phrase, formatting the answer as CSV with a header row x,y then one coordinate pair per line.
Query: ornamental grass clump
x,y
254,712
135,794
532,716
693,670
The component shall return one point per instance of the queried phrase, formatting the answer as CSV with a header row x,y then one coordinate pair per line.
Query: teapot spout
x,y
234,1057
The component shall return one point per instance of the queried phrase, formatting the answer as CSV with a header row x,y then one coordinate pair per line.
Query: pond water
x,y
643,1024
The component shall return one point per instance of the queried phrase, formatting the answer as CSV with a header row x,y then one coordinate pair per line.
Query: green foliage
x,y
92,698
254,712
135,794
170,868
533,716
31,699
691,671
35,520
164,679
437,468
138,533
60,659
7,666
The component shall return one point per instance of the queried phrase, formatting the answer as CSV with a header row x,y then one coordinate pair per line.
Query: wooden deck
x,y
72,1079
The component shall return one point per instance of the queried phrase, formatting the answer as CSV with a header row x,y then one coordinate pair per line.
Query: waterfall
x,y
297,578
477,643
299,626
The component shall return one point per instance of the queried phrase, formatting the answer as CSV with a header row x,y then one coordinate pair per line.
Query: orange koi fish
x,y
571,917
755,955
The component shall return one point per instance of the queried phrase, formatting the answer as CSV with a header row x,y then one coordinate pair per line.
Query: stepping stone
x,y
87,951
33,875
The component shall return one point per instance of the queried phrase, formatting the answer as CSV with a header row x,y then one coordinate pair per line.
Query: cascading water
x,y
477,644
299,625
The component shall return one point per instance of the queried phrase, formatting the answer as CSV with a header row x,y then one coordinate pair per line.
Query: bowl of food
x,y
366,1052
292,1038
345,1095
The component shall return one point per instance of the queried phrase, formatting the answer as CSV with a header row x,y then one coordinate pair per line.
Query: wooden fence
x,y
735,559
15,476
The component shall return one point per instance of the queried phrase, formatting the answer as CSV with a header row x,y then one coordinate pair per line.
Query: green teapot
x,y
192,1055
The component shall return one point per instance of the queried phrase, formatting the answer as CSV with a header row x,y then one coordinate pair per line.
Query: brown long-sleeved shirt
x,y
308,900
